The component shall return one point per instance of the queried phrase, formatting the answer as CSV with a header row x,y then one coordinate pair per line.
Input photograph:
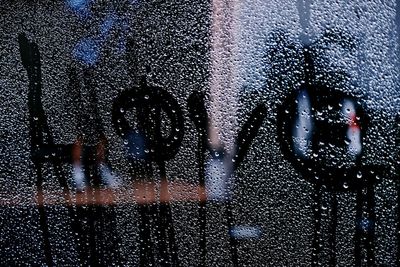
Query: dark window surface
x,y
199,133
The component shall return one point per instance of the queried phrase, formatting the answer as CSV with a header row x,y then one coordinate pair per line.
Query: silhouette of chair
x,y
43,149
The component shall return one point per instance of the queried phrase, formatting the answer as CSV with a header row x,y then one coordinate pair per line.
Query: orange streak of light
x,y
138,193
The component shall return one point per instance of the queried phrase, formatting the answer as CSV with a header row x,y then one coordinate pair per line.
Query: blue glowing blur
x,y
245,232
107,25
80,7
366,224
77,5
87,51
136,146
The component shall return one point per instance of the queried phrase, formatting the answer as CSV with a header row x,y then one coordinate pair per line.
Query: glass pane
x,y
199,133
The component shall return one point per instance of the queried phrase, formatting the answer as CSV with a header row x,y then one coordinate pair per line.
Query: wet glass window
x,y
199,133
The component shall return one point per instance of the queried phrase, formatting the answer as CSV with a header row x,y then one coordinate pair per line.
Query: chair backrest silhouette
x,y
43,149
42,145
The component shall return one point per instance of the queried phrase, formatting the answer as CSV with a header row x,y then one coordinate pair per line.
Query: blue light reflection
x,y
80,7
87,51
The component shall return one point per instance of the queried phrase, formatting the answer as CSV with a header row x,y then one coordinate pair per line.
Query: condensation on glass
x,y
199,133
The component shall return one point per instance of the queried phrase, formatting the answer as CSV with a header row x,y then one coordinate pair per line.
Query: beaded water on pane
x,y
206,133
